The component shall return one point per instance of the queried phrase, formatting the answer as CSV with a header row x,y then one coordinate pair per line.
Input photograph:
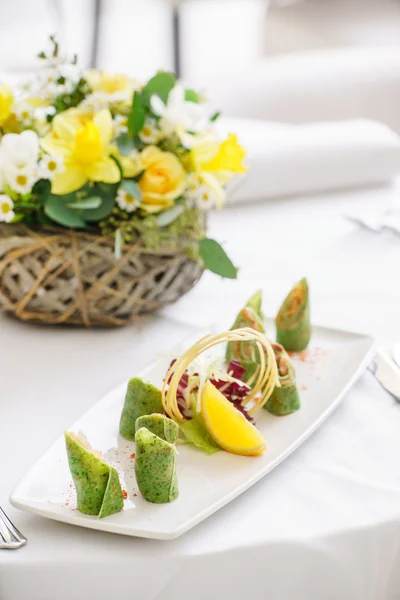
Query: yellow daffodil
x,y
108,83
163,180
226,158
6,103
84,142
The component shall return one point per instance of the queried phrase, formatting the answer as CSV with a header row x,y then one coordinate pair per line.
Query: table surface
x,y
329,515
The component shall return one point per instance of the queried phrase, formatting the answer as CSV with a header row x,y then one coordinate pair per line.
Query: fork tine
x,y
5,533
11,528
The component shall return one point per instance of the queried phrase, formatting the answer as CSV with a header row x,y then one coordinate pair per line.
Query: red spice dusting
x,y
303,355
124,494
303,386
70,485
135,494
132,455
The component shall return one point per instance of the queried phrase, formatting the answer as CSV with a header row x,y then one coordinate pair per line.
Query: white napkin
x,y
288,160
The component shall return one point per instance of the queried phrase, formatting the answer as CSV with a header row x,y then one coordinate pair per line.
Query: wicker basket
x,y
70,277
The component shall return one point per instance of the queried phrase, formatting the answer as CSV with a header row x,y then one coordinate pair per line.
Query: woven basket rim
x,y
56,275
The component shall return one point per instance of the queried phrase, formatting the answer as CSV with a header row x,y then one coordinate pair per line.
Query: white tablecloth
x,y
323,525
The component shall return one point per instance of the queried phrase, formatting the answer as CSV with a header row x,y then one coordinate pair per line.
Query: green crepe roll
x,y
155,467
285,399
293,327
141,399
98,488
160,425
246,353
255,303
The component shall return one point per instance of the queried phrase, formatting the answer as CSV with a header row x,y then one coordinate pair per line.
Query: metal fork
x,y
10,537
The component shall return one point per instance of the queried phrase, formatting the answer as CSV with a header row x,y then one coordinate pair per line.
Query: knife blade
x,y
387,373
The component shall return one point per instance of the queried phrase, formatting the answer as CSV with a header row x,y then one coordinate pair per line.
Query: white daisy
x,y
24,113
120,124
150,132
204,191
50,166
6,208
95,102
20,180
127,202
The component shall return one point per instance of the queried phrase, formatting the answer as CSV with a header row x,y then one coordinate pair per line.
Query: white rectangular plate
x,y
325,372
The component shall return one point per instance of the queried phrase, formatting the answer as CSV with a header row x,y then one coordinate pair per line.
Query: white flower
x,y
195,140
24,112
72,75
20,180
19,151
95,102
150,132
179,115
204,191
50,166
40,123
53,90
127,202
6,208
120,124
18,160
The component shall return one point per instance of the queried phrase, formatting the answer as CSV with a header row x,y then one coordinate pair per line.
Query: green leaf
x,y
215,259
118,163
215,117
137,115
168,216
132,188
43,219
103,211
125,144
42,190
87,203
192,96
160,85
195,433
56,209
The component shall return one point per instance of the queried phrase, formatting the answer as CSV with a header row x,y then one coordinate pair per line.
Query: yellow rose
x,y
163,180
6,103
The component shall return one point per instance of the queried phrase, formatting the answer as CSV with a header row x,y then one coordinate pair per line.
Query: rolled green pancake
x,y
246,353
255,303
141,399
155,468
293,327
98,488
160,425
285,399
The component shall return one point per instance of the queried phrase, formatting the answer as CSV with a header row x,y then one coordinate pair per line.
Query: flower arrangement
x,y
102,153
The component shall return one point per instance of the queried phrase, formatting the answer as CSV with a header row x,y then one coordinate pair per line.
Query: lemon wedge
x,y
227,426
